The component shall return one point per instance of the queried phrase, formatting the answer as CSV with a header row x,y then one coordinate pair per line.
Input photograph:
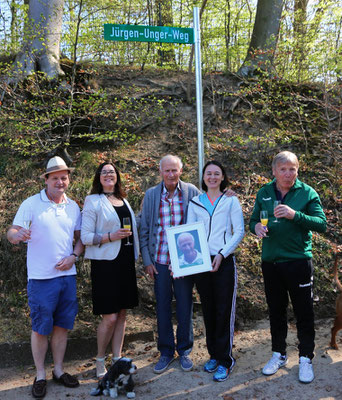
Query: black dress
x,y
114,283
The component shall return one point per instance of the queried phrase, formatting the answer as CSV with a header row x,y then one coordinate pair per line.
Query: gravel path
x,y
252,350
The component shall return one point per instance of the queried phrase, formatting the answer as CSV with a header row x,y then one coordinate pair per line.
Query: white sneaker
x,y
277,361
306,372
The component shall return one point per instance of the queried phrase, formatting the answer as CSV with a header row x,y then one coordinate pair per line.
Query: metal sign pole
x,y
199,95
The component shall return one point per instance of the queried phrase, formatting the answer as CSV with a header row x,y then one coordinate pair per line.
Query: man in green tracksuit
x,y
286,258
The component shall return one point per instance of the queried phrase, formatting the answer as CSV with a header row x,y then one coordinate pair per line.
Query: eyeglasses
x,y
110,172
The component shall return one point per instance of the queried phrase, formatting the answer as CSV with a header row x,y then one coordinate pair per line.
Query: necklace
x,y
114,201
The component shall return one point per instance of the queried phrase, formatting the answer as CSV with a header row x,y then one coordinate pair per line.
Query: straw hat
x,y
56,164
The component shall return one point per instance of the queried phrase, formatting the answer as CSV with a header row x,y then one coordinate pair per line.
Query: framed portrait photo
x,y
188,247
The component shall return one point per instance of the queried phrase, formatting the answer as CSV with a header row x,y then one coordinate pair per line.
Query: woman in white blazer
x,y
224,225
112,251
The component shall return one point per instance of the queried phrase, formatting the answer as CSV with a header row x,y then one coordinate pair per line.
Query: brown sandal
x,y
66,380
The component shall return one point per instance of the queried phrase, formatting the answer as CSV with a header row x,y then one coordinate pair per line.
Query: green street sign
x,y
142,33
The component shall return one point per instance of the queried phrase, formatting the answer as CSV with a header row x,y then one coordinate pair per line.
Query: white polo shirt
x,y
52,233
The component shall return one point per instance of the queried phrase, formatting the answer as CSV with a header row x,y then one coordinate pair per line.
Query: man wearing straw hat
x,y
50,223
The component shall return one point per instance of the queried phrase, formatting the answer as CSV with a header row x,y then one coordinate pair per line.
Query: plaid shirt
x,y
171,213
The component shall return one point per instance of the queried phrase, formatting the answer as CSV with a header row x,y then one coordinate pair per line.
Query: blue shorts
x,y
53,302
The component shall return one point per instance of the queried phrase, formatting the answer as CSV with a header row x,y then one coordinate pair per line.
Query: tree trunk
x,y
14,27
164,17
300,39
264,37
42,34
299,18
227,18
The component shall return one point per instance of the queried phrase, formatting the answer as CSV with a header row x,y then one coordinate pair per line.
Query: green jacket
x,y
289,239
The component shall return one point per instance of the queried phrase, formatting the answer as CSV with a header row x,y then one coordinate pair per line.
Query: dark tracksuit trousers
x,y
294,278
217,291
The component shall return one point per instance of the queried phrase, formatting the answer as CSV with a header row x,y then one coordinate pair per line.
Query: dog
x,y
118,379
338,320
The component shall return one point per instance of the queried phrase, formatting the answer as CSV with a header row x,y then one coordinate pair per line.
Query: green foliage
x,y
128,115
308,47
294,114
244,138
41,118
38,117
18,180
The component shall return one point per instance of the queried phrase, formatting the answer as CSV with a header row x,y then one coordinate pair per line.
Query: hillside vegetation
x,y
134,118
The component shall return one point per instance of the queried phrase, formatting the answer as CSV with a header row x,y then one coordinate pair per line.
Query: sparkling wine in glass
x,y
276,204
127,225
264,218
27,219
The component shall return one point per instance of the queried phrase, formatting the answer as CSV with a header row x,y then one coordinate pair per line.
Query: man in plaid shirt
x,y
166,205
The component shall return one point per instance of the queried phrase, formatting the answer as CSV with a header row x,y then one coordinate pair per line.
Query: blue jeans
x,y
164,288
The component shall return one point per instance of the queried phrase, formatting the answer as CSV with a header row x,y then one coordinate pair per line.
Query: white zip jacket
x,y
225,228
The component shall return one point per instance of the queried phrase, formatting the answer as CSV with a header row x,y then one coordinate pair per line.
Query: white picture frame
x,y
184,259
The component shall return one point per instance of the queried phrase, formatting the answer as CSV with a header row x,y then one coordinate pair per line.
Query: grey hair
x,y
183,235
170,156
284,157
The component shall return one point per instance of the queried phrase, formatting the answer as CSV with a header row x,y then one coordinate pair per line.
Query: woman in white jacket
x,y
223,220
114,286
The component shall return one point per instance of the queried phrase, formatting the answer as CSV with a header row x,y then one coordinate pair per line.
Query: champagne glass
x,y
127,225
264,218
27,219
276,204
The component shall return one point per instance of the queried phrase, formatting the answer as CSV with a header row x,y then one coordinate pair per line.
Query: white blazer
x,y
99,216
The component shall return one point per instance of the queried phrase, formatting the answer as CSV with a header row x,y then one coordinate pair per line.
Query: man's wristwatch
x,y
76,256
